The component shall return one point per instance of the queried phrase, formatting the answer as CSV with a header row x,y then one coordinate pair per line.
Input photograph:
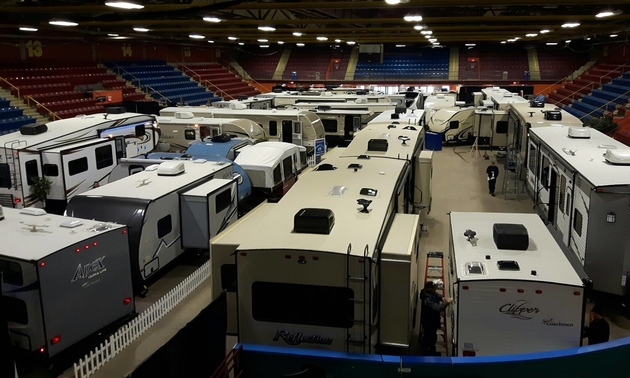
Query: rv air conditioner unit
x,y
579,132
33,211
510,236
171,168
552,115
33,129
237,106
377,145
313,221
115,110
184,115
617,157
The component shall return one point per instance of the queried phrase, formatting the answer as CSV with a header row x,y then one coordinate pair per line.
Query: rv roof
x,y
537,118
588,160
59,148
205,121
200,148
409,116
58,129
148,185
341,111
20,242
543,255
502,96
396,148
313,190
236,113
265,154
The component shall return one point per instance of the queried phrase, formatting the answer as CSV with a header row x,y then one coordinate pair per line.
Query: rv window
x,y
223,200
532,162
5,176
577,222
287,166
544,172
50,170
563,191
11,272
228,277
502,127
273,128
77,166
189,135
31,171
568,203
287,124
164,226
104,157
16,309
453,125
330,125
297,127
325,306
277,175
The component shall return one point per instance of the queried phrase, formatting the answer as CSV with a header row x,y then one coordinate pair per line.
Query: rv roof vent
x,y
377,145
579,132
313,221
395,116
508,265
324,107
510,236
33,211
71,223
337,191
221,138
237,106
184,115
152,167
171,168
507,94
115,110
474,268
325,167
617,157
33,129
553,115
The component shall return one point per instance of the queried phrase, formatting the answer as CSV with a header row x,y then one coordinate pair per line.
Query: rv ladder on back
x,y
434,270
351,283
11,157
511,180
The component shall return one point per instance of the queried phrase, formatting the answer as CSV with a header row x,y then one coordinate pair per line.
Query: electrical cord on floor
x,y
459,154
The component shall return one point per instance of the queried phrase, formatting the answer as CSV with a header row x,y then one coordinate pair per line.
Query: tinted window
x,y
568,202
189,134
223,200
577,222
330,125
5,176
544,172
165,226
51,170
453,125
287,166
532,162
31,171
288,124
15,310
277,175
325,306
563,190
104,157
273,128
502,127
77,166
11,272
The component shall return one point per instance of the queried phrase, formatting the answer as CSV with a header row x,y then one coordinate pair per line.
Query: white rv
x,y
513,289
152,203
502,98
332,265
64,278
290,98
61,150
579,179
256,102
455,124
341,124
184,128
299,127
358,105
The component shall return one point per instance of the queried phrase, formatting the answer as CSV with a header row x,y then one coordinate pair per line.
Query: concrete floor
x,y
459,184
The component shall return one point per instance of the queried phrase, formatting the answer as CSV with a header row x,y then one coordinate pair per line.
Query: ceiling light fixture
x,y
281,42
141,30
337,40
232,38
263,40
298,34
299,44
241,43
428,36
210,41
611,36
264,46
571,25
426,32
212,19
266,28
608,13
24,28
531,35
112,35
471,44
551,43
322,38
62,23
401,45
196,36
124,5
502,42
413,18
435,43
351,42
568,41
432,39
419,27
545,31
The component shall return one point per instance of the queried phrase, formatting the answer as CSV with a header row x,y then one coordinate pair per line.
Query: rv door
x,y
30,171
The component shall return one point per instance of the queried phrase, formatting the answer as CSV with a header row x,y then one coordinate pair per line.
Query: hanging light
x,y
62,23
608,13
570,24
322,38
298,34
413,18
29,29
266,28
212,19
124,5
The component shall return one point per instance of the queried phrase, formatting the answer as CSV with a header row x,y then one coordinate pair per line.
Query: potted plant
x,y
40,189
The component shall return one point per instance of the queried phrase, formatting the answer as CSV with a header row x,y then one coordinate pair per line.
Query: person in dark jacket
x,y
430,317
599,330
493,172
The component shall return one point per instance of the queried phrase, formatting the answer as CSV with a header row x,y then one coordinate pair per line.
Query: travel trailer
x,y
290,98
60,150
341,124
178,132
64,279
455,124
513,289
359,105
218,146
255,102
340,272
299,127
502,98
579,180
151,203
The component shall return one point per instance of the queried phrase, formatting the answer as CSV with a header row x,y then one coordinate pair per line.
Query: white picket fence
x,y
93,361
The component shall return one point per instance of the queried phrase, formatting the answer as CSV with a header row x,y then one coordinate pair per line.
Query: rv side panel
x,y
85,165
580,216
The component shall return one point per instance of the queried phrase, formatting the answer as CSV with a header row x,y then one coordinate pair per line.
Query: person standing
x,y
599,330
493,172
430,317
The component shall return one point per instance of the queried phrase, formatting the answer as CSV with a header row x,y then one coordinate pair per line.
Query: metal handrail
x,y
158,92
593,83
129,73
191,70
50,112
606,104
222,93
611,71
12,86
572,95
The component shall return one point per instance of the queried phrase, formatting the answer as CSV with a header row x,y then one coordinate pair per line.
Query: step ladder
x,y
434,271
358,283
511,172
